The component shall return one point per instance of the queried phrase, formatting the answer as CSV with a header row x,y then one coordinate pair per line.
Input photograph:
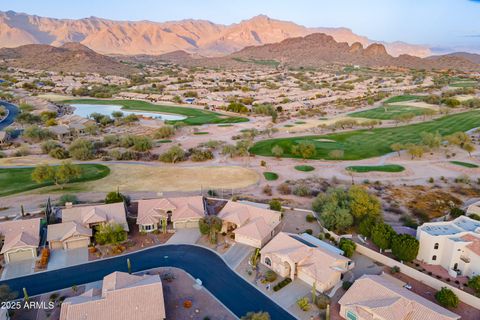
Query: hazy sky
x,y
439,23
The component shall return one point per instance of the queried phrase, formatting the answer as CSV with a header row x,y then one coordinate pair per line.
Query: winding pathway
x,y
227,286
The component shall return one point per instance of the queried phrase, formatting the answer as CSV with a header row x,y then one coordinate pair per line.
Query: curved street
x,y
12,114
227,286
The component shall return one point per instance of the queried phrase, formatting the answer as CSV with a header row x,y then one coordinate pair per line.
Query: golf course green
x,y
362,144
16,180
194,116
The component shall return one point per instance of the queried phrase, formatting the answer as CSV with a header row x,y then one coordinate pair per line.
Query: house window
x,y
147,227
434,258
435,246
351,315
268,262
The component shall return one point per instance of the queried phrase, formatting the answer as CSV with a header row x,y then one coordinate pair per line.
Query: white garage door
x,y
186,224
80,243
20,255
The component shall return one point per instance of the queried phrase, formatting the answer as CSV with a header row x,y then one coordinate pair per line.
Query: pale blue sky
x,y
439,23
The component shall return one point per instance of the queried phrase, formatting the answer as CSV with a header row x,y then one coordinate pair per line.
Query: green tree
x,y
114,197
256,316
474,283
42,173
447,298
277,151
347,246
210,225
469,147
366,225
431,140
110,233
382,235
305,149
397,147
275,205
363,203
405,247
66,172
173,155
415,151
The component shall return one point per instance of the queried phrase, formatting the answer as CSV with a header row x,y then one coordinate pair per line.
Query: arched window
x,y
435,246
268,262
434,258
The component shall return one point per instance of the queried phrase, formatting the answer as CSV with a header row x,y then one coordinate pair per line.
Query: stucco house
x,y
4,137
181,212
378,297
454,245
250,225
75,231
20,239
306,258
122,296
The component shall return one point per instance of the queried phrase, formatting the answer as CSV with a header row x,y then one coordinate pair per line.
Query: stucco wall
x,y
424,278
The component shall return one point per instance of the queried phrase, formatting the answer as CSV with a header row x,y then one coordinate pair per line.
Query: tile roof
x,y
65,230
386,299
20,233
112,212
123,297
475,243
251,221
151,210
318,262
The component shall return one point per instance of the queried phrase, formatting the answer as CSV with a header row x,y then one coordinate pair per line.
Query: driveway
x,y
236,254
12,114
65,258
185,236
227,286
18,269
288,296
363,265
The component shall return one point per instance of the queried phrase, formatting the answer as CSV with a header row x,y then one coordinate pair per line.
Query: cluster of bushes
x,y
282,284
35,133
110,233
97,91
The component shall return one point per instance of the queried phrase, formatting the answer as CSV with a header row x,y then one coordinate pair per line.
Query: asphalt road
x,y
13,112
228,287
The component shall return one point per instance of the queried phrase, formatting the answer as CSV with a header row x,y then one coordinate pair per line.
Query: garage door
x,y
186,224
20,255
75,244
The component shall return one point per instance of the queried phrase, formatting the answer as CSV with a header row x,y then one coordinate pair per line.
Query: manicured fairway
x,y
15,180
402,98
464,164
388,112
361,144
304,168
384,168
270,176
194,116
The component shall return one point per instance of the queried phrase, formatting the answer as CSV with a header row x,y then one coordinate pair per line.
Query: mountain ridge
x,y
153,38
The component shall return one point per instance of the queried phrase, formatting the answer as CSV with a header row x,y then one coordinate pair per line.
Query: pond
x,y
84,110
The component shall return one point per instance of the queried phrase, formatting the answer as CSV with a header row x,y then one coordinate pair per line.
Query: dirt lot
x,y
295,222
173,178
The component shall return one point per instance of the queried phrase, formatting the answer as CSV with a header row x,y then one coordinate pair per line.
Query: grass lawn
x,y
194,116
464,84
300,122
270,176
384,168
361,144
464,164
387,112
15,180
304,168
201,132
164,141
402,98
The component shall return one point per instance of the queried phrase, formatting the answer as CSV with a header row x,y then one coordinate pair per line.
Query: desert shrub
x,y
270,276
67,198
198,155
49,145
301,191
447,298
267,190
275,205
322,301
59,153
310,218
82,149
303,304
347,246
284,188
346,285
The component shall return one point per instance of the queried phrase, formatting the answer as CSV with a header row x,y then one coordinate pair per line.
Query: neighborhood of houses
x,y
454,245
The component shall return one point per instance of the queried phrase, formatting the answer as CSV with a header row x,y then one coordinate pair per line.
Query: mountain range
x,y
153,38
70,57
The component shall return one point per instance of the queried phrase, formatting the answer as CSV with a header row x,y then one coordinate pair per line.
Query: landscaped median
x,y
383,168
362,144
194,116
16,180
